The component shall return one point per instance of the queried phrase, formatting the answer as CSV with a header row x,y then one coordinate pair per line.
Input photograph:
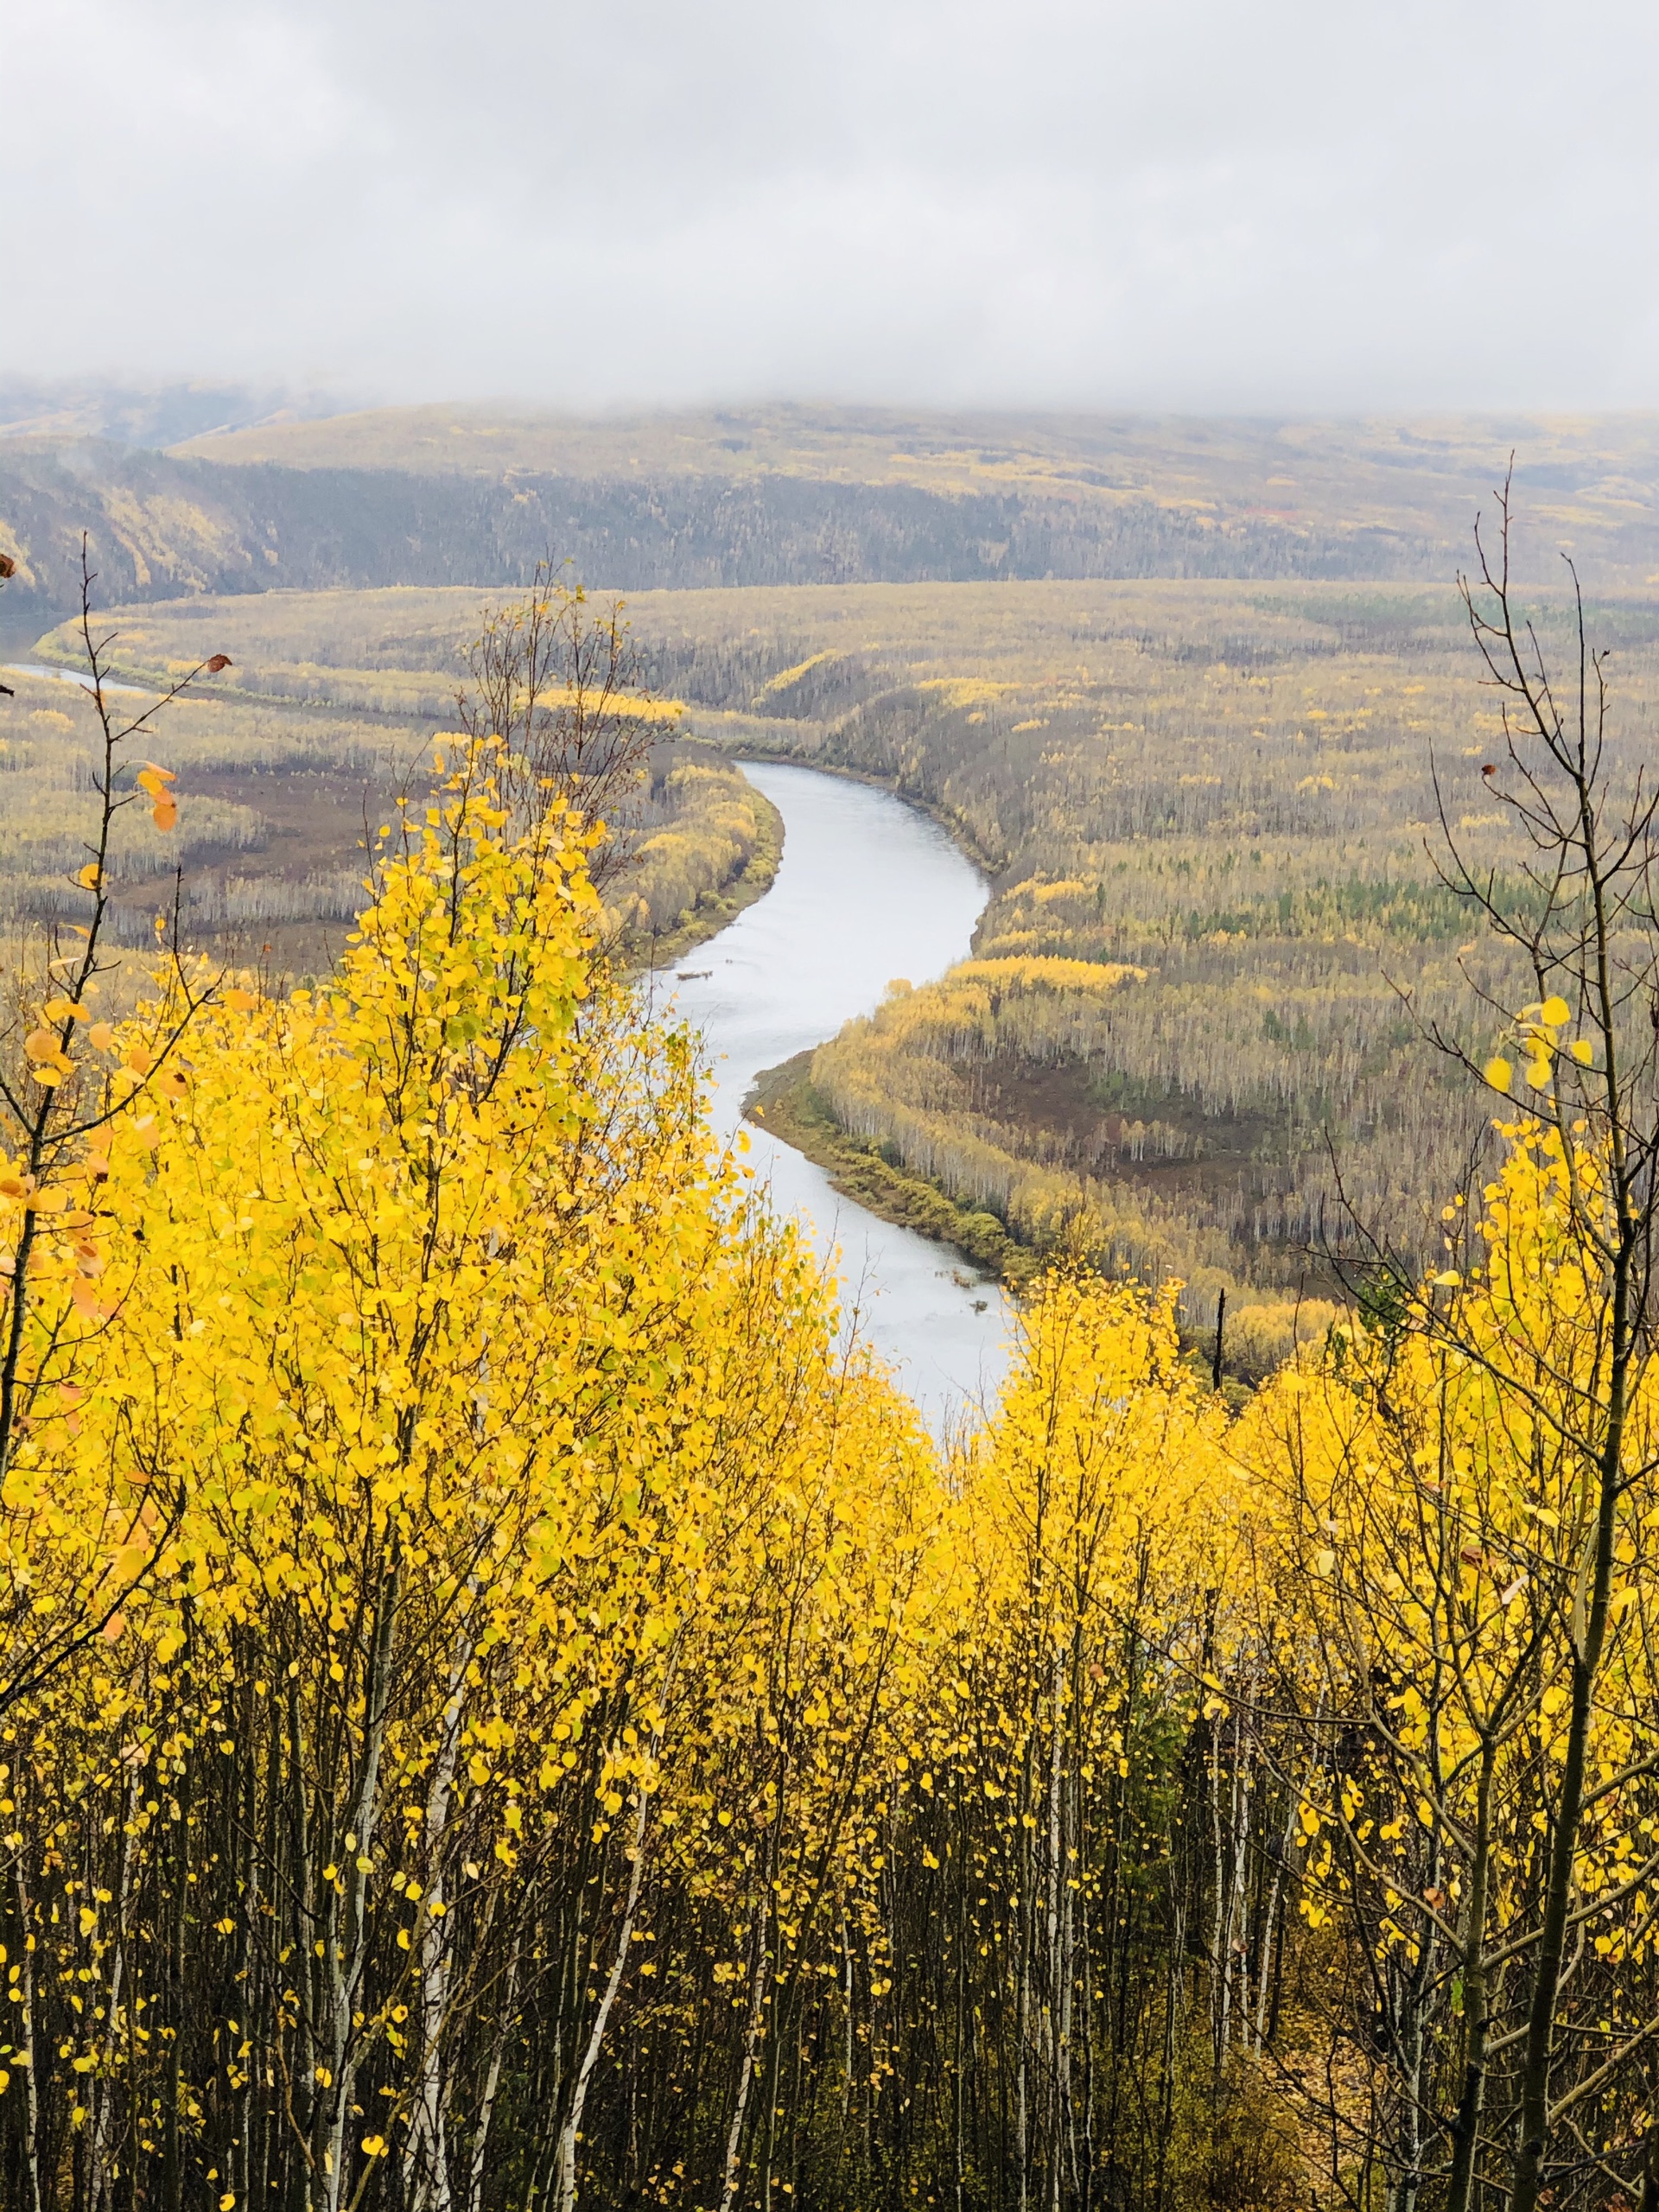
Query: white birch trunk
x,y
566,2186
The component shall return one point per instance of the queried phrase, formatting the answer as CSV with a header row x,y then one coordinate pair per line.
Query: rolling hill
x,y
796,496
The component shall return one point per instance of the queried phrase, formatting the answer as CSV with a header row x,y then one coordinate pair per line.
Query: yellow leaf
x,y
1583,1051
1555,1011
165,812
41,1045
101,1036
240,1001
88,877
1538,1074
1499,1072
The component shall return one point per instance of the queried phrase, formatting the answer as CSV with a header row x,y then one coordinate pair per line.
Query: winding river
x,y
868,890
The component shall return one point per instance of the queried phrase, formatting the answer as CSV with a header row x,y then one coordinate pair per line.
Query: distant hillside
x,y
1241,498
145,415
793,496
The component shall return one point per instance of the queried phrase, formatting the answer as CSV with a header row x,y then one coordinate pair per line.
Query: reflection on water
x,y
869,891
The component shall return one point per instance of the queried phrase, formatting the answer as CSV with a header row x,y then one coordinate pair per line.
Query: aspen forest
x,y
505,1705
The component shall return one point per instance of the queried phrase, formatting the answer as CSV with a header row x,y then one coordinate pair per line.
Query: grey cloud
x,y
1243,203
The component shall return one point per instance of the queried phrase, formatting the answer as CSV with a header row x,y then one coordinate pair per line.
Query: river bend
x,y
868,890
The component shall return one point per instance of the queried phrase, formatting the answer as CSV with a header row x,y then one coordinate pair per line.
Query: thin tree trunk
x,y
492,2081
1465,2126
101,2179
569,2133
751,2044
1589,1633
346,1971
426,2158
31,2080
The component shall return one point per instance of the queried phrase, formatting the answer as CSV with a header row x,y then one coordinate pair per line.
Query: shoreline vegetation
x,y
785,1101
716,908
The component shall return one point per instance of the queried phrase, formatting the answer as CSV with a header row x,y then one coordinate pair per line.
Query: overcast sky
x,y
1256,204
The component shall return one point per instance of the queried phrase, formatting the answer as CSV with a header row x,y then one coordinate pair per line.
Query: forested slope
x,y
1370,494
284,774
1193,1028
163,525
798,496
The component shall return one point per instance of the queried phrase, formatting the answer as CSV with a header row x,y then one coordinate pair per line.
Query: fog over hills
x,y
144,415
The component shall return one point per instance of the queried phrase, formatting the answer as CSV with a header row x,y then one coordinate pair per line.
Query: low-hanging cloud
x,y
1201,204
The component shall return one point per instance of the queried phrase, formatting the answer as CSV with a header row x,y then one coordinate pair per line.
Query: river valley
x,y
868,890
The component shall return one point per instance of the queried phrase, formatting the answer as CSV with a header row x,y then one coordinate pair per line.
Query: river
x,y
869,891
67,675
